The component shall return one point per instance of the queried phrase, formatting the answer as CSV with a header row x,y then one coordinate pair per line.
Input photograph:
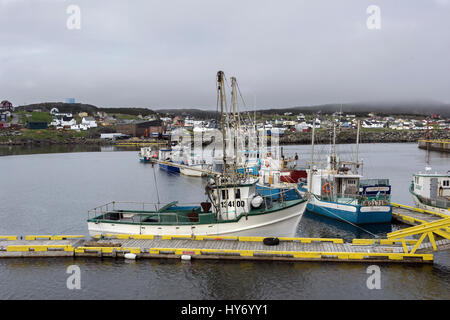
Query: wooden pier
x,y
398,247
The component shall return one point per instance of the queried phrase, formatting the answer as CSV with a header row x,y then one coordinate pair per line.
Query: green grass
x,y
124,116
46,135
41,117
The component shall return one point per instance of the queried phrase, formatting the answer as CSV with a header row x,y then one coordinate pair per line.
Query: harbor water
x,y
48,190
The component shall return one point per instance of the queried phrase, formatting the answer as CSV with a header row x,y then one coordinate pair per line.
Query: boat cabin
x,y
231,201
431,186
326,184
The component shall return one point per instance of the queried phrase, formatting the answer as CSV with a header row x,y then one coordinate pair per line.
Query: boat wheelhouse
x,y
431,191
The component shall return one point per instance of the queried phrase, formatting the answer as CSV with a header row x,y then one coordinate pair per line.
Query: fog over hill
x,y
421,108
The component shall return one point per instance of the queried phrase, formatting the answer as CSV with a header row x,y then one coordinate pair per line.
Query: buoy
x,y
257,201
130,256
186,257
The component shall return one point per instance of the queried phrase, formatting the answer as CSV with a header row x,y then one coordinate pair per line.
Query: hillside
x,y
81,107
422,108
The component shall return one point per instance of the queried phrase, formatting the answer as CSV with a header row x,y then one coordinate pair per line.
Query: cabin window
x,y
224,194
446,183
238,193
351,182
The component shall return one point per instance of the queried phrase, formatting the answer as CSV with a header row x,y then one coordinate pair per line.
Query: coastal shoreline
x,y
300,138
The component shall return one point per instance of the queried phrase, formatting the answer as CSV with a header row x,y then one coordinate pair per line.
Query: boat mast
x,y
312,157
220,100
357,147
333,158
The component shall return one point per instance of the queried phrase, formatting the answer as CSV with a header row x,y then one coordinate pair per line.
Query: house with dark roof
x,y
5,105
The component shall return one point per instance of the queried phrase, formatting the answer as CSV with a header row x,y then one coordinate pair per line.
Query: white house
x,y
88,122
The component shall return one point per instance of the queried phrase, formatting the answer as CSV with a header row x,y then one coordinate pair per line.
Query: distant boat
x,y
194,166
146,154
271,184
431,191
166,155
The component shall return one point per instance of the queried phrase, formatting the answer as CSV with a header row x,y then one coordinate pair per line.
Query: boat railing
x,y
377,200
438,202
373,182
117,206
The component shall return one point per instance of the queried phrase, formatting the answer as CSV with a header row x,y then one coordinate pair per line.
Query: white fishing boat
x,y
146,154
232,206
194,166
431,191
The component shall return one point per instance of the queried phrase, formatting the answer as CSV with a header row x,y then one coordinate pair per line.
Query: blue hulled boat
x,y
338,192
166,155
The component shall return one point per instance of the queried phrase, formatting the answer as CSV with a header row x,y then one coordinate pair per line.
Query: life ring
x,y
325,189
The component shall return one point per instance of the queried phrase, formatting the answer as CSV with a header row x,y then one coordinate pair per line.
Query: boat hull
x,y
190,173
169,168
145,159
352,213
194,173
280,223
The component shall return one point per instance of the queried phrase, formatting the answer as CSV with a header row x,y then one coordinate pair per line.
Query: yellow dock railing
x,y
440,227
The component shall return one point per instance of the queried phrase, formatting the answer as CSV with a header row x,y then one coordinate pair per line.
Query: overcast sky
x,y
166,53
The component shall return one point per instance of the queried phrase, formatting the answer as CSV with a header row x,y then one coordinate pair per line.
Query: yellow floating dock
x,y
211,247
435,145
135,143
398,247
414,216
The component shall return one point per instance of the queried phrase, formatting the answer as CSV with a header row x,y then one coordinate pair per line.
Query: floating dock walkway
x,y
414,216
138,143
398,246
435,145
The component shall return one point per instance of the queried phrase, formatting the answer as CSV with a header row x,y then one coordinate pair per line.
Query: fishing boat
x,y
431,191
146,154
271,183
166,155
339,192
194,166
232,205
